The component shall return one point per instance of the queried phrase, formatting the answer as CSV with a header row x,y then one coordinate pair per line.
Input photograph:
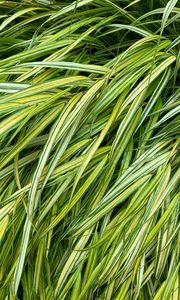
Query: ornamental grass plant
x,y
89,150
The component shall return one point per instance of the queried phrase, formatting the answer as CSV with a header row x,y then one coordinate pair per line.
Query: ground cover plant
x,y
89,143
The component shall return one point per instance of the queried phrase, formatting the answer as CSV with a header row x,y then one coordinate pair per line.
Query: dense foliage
x,y
89,141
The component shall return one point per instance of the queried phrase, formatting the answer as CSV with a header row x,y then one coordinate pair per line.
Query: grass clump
x,y
89,143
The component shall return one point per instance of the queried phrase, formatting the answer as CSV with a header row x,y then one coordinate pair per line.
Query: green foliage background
x,y
89,142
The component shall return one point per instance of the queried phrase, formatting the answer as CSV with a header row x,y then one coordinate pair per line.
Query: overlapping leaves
x,y
89,143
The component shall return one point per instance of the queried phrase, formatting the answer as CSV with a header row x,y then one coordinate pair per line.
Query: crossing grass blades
x,y
89,150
